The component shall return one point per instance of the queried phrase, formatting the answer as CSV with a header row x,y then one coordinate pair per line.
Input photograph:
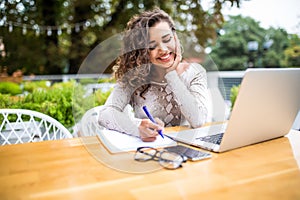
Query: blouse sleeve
x,y
190,91
113,113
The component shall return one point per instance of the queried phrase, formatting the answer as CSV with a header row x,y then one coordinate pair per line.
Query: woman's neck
x,y
157,74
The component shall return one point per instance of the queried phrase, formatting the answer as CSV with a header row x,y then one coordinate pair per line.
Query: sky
x,y
270,13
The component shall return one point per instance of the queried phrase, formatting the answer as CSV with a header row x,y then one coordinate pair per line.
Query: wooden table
x,y
71,169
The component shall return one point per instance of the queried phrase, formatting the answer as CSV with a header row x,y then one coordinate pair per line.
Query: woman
x,y
150,72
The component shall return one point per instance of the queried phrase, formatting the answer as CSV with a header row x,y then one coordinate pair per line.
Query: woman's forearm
x,y
192,100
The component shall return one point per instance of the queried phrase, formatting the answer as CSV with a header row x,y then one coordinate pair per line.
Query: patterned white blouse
x,y
182,100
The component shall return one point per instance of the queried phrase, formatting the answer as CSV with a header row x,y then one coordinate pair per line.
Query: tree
x,y
46,36
30,45
275,42
51,15
231,49
243,43
292,53
113,19
20,43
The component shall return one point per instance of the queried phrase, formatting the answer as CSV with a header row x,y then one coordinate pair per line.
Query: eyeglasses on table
x,y
166,159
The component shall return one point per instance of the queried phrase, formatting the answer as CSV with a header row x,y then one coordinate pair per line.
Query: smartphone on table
x,y
189,153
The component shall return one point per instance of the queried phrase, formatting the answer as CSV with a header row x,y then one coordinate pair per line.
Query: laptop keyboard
x,y
215,139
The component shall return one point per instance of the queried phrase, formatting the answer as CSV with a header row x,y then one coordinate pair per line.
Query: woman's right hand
x,y
178,55
148,129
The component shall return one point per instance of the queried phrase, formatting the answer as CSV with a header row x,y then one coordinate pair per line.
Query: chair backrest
x,y
218,109
89,122
22,126
89,125
296,124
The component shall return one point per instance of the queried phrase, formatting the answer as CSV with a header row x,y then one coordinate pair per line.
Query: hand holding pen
x,y
152,119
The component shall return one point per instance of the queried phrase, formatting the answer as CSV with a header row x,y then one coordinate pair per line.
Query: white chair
x,y
218,109
22,126
89,125
296,124
89,122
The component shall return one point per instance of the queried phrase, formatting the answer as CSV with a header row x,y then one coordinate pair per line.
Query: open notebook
x,y
117,142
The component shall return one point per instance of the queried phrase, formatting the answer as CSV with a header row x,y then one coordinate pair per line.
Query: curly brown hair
x,y
133,66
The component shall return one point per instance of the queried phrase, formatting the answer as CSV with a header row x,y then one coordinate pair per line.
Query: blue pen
x,y
152,119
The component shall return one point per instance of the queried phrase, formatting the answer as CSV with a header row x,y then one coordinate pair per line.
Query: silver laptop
x,y
265,108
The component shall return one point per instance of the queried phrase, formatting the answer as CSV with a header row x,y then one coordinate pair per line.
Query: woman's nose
x,y
162,47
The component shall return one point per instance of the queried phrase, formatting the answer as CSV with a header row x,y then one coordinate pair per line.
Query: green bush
x,y
87,81
107,80
233,94
55,102
100,97
8,101
30,86
10,88
5,101
65,101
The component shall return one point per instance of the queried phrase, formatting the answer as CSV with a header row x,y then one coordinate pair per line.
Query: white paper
x,y
120,142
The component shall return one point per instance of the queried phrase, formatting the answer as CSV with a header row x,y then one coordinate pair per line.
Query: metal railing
x,y
65,77
225,80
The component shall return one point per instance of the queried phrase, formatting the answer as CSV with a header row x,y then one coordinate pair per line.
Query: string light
x,y
49,30
24,30
37,32
10,28
77,28
69,30
59,32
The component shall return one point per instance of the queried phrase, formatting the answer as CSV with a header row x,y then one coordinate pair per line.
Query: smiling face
x,y
162,45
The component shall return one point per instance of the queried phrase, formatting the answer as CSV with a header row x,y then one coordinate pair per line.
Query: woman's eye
x,y
167,39
152,48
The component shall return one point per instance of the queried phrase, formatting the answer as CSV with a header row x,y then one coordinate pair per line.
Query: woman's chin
x,y
164,66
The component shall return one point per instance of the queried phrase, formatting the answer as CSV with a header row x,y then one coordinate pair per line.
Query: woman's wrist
x,y
171,68
170,74
175,64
